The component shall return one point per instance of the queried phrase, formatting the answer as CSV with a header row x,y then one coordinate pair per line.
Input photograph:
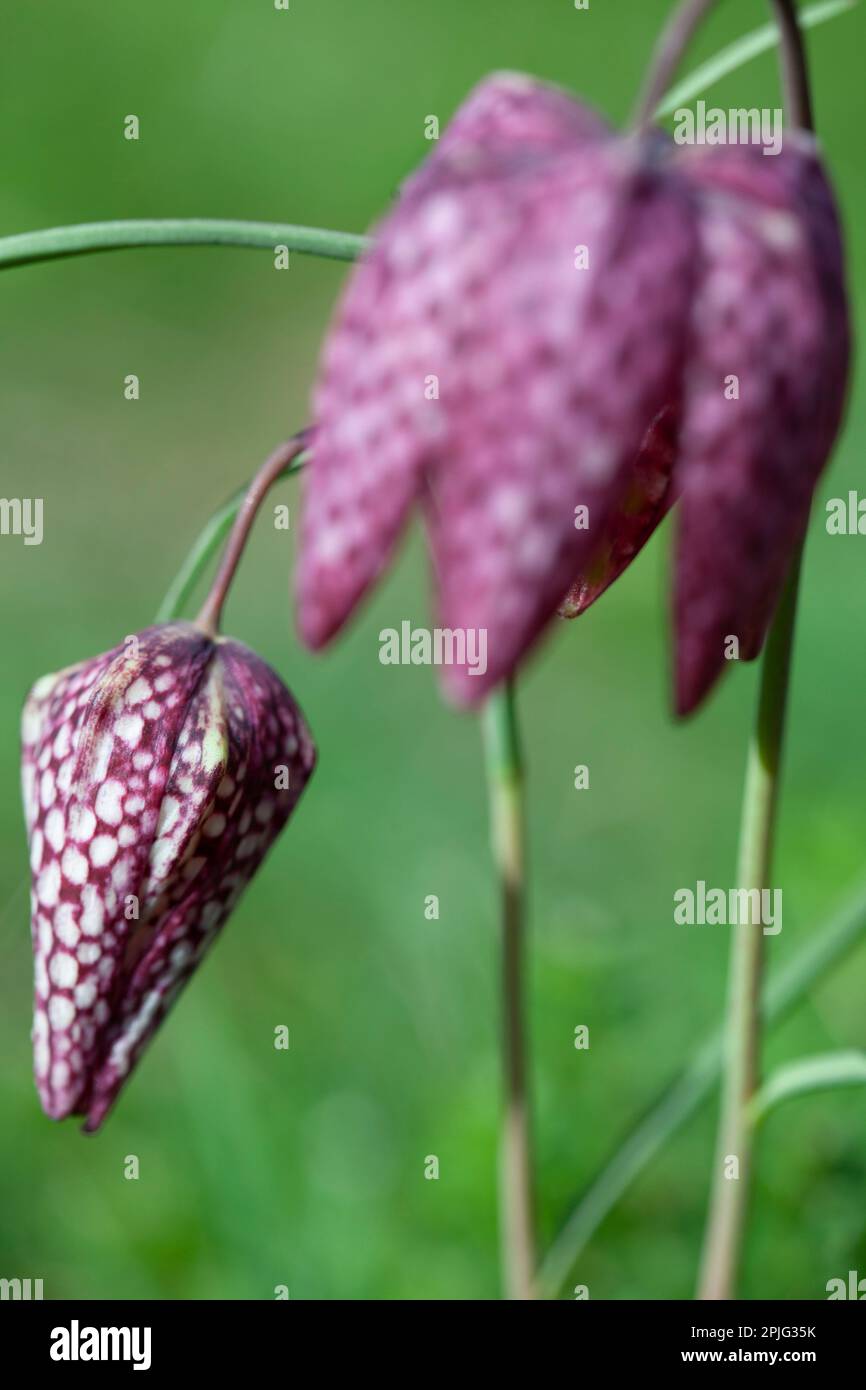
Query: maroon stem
x,y
678,34
675,39
276,464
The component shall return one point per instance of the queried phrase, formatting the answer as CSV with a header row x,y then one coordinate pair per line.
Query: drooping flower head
x,y
155,777
545,329
499,356
764,393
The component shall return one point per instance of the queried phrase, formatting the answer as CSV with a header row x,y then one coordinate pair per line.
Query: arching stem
x,y
53,243
273,467
679,33
669,52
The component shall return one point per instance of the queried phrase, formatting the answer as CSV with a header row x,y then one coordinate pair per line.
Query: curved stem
x,y
795,69
678,34
273,467
52,243
205,547
675,39
516,1180
741,51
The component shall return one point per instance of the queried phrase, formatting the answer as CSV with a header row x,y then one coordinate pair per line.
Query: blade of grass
x,y
807,1075
741,51
679,1101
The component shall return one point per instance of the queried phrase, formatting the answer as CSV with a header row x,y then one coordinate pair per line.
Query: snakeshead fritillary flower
x,y
601,387
770,312
156,777
770,324
538,273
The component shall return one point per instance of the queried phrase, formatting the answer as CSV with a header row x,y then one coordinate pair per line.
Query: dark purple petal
x,y
552,381
379,427
646,502
771,311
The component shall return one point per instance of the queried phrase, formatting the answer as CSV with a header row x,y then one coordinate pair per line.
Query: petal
x,y
91,833
646,502
379,419
770,312
239,768
554,373
509,116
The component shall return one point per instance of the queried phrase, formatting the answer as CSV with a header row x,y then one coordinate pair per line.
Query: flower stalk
x,y
516,1175
54,243
726,1221
273,468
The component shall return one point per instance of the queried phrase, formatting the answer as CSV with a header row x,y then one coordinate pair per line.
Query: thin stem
x,y
741,51
679,33
205,547
675,39
726,1220
52,243
728,1205
516,1181
273,467
795,69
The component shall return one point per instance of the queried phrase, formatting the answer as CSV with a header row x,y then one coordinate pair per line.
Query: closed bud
x,y
149,778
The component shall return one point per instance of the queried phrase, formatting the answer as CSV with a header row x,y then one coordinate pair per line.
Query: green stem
x,y
726,1219
54,242
516,1178
729,1200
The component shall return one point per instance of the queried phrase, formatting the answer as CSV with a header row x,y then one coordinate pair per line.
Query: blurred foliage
x,y
306,1168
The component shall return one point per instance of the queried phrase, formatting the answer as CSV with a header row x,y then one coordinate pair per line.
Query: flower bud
x,y
156,776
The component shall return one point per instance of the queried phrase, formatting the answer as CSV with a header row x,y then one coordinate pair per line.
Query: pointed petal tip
x,y
463,690
57,1106
314,630
698,671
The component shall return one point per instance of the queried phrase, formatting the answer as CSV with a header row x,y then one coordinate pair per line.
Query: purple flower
x,y
556,334
646,501
764,393
155,777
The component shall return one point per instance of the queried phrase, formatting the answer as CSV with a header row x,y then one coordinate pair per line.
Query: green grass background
x,y
306,1168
